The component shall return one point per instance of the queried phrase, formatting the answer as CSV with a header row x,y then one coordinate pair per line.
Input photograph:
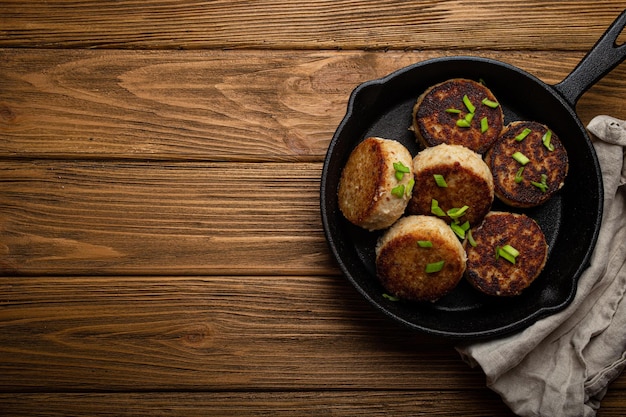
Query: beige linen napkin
x,y
561,365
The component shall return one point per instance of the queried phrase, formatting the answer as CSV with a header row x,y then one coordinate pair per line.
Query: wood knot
x,y
6,114
196,336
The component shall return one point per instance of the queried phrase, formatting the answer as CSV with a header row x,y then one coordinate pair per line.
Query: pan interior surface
x,y
570,220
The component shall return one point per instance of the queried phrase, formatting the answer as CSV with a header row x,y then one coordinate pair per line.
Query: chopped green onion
x,y
543,186
409,187
469,117
462,123
501,253
490,103
518,175
398,191
470,107
390,297
455,213
441,182
453,111
523,135
521,158
435,209
434,267
484,125
458,230
470,239
546,140
425,243
401,169
465,226
510,250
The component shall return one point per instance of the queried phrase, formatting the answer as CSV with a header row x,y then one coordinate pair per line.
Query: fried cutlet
x,y
460,112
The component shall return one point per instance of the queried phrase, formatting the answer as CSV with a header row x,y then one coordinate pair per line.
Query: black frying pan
x,y
571,219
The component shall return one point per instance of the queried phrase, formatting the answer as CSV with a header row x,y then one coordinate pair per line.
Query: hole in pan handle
x,y
599,61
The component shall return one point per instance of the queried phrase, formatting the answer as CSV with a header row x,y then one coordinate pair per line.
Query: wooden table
x,y
161,248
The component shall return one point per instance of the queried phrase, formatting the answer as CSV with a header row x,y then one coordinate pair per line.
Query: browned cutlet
x,y
372,194
533,183
409,248
488,270
466,178
439,109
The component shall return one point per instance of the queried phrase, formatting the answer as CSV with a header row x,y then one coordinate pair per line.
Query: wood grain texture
x,y
161,247
213,105
111,217
247,333
320,24
474,403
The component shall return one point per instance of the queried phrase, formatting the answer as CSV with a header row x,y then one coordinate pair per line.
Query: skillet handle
x,y
599,61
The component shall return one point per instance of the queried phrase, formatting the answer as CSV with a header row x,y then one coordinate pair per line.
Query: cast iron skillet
x,y
570,220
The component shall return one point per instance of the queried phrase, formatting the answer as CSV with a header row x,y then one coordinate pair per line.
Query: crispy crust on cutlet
x,y
401,262
469,182
497,276
554,164
432,125
364,193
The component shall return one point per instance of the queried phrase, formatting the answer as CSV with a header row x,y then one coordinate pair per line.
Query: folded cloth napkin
x,y
561,365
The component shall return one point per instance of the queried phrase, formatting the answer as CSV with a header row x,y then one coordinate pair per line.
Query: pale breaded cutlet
x,y
528,164
440,113
376,183
453,176
420,259
496,269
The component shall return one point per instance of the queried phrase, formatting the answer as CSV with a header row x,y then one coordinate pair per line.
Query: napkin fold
x,y
562,365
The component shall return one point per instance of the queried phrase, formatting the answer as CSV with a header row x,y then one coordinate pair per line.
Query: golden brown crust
x,y
553,164
432,125
493,274
401,262
367,180
468,179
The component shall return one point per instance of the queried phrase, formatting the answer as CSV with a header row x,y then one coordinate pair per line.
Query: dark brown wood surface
x,y
161,247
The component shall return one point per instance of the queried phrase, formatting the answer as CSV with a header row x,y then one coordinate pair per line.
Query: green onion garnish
x,y
470,238
506,255
546,140
543,186
510,250
409,187
523,135
465,226
484,125
470,107
434,267
398,191
425,243
435,209
441,182
390,297
469,117
455,213
490,103
458,230
518,175
401,169
462,123
453,111
521,158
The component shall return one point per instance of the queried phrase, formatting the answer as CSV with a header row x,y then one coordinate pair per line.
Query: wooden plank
x,y
213,105
249,333
325,24
109,218
472,403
